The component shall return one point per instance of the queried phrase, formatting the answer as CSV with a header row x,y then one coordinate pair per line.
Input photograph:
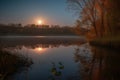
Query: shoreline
x,y
107,42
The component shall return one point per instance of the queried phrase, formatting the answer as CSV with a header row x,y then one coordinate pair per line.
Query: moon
x,y
40,22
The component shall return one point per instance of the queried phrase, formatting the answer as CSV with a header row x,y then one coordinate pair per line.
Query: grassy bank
x,y
11,63
109,42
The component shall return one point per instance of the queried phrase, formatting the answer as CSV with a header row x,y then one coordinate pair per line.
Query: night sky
x,y
52,12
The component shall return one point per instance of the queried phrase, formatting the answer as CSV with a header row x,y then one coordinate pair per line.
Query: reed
x,y
11,63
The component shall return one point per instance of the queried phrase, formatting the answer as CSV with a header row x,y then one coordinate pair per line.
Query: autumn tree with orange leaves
x,y
101,16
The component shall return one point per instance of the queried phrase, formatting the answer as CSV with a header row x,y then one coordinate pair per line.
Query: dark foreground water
x,y
63,58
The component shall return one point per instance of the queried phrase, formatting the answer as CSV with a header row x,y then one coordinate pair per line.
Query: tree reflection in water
x,y
103,64
83,57
108,66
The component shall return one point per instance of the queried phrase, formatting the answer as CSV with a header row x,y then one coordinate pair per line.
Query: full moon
x,y
39,22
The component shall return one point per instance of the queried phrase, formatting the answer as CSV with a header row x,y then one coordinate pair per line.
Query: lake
x,y
62,58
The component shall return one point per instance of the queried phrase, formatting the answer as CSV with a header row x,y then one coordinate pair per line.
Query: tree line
x,y
18,29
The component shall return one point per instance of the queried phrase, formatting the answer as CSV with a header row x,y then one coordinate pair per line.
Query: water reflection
x,y
101,64
107,64
43,51
83,57
56,71
39,49
72,59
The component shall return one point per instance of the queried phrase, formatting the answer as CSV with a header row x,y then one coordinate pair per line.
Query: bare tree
x,y
87,11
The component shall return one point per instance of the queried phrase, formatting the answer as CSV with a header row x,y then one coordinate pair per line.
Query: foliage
x,y
100,16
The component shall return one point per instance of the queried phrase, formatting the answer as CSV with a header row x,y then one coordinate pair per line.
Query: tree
x,y
114,15
100,15
88,12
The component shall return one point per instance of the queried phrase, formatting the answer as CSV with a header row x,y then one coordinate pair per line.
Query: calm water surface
x,y
72,58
